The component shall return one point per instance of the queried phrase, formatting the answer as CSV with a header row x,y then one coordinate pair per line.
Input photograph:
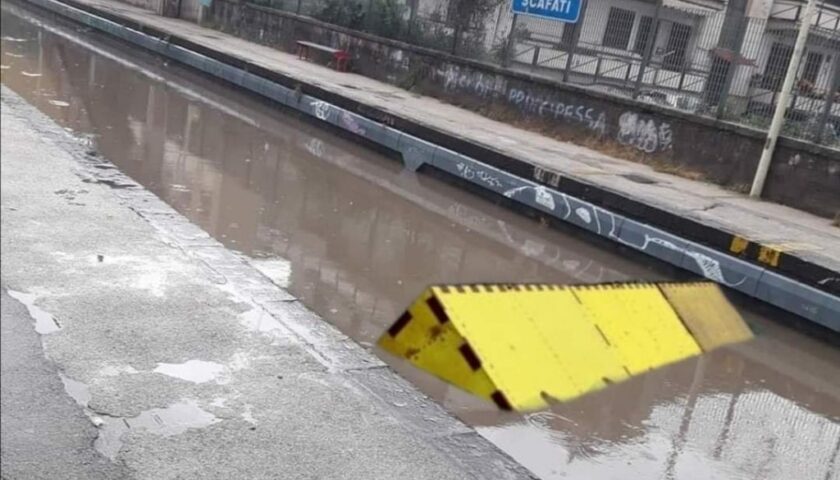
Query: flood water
x,y
356,239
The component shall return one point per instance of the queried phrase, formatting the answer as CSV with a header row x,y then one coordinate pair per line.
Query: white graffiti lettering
x,y
315,146
471,173
322,109
583,214
476,82
542,107
644,134
709,266
551,178
543,197
349,122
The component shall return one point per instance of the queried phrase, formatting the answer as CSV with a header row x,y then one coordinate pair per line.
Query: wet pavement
x,y
57,441
190,363
355,238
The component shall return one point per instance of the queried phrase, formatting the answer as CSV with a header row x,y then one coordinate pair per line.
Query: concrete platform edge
x,y
804,297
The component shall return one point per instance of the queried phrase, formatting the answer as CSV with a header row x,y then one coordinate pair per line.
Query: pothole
x,y
195,371
640,179
166,422
45,323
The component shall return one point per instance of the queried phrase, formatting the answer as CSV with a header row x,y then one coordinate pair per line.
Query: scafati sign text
x,y
561,10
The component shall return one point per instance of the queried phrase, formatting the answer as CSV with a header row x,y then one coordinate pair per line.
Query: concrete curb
x,y
792,285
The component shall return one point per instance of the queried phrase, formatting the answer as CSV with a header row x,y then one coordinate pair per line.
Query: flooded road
x,y
356,239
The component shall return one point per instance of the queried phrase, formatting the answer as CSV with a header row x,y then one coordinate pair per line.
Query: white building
x,y
682,71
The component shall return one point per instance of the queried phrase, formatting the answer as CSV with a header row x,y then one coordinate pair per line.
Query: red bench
x,y
340,58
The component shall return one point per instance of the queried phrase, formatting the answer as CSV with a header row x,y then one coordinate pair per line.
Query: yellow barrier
x,y
523,346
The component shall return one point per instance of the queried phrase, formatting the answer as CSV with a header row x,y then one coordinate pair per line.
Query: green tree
x,y
342,12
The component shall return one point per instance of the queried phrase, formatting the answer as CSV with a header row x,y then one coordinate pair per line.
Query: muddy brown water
x,y
356,238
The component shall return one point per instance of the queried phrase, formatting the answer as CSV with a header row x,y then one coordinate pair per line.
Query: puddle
x,y
172,420
259,320
166,422
109,441
196,371
640,179
80,392
277,269
44,322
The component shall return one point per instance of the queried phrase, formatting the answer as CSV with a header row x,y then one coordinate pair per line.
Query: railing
x,y
827,17
699,60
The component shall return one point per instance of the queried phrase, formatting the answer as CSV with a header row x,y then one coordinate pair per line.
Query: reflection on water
x,y
723,415
355,239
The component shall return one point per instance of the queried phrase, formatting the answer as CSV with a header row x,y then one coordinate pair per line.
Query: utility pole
x,y
782,104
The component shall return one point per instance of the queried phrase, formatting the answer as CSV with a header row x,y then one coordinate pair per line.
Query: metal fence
x,y
726,59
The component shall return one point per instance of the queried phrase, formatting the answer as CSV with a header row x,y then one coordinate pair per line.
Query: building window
x,y
619,27
676,47
813,62
777,63
644,35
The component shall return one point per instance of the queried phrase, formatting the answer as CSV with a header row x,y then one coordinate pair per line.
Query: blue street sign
x,y
562,10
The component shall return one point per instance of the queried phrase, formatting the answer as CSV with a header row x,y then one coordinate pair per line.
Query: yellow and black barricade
x,y
523,346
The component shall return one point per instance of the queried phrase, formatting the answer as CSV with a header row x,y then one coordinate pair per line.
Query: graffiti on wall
x,y
456,79
644,133
469,173
542,107
546,176
349,122
321,109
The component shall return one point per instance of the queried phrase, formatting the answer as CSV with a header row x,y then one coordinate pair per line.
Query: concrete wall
x,y
190,10
186,9
804,175
153,5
